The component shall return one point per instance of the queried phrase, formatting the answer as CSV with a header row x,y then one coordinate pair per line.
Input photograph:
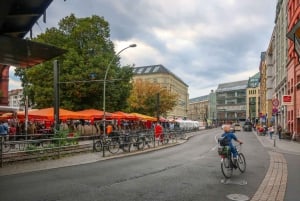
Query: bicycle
x,y
5,147
110,143
227,163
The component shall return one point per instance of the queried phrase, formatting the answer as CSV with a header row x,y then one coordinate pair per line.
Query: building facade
x,y
15,98
231,102
4,70
165,78
293,68
198,109
280,59
253,98
212,110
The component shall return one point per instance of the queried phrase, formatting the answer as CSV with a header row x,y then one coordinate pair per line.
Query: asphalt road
x,y
190,171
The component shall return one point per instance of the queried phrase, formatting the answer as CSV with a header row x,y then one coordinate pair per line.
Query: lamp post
x,y
104,85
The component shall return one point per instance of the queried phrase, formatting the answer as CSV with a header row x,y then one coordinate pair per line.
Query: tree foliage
x,y
82,68
144,98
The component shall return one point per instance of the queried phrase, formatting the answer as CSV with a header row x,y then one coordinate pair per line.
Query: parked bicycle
x,y
227,163
109,143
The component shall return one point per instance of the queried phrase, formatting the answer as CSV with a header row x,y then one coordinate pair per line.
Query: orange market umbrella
x,y
94,114
144,117
123,115
48,113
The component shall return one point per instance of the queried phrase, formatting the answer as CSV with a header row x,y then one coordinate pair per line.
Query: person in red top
x,y
158,131
12,132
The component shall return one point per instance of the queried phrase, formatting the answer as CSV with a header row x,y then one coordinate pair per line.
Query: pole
x,y
157,106
56,94
104,86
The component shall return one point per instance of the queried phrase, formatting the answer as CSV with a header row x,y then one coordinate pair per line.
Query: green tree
x,y
82,68
143,98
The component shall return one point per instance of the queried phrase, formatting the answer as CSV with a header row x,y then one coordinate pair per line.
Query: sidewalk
x,y
274,185
77,159
280,145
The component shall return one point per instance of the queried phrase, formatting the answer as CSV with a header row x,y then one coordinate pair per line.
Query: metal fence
x,y
53,146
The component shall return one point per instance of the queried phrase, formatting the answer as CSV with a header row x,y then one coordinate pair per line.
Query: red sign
x,y
287,100
275,102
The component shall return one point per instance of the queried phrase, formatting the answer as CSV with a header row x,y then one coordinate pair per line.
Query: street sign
x,y
287,100
275,102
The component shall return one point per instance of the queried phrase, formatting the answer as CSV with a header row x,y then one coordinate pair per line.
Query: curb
x,y
79,159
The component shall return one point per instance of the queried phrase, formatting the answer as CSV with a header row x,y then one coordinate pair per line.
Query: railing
x,y
44,147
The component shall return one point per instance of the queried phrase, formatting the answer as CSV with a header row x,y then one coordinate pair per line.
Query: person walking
x,y
271,131
279,131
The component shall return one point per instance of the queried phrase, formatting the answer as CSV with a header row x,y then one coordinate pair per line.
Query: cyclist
x,y
228,136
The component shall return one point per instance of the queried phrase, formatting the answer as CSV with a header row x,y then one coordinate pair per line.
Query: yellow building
x,y
253,98
165,78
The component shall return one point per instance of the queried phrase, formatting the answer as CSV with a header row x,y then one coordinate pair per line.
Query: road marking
x,y
231,181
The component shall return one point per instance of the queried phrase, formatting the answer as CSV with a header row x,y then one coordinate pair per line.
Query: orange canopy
x,y
48,113
123,115
144,117
94,114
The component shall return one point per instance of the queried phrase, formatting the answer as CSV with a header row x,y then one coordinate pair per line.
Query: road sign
x,y
275,102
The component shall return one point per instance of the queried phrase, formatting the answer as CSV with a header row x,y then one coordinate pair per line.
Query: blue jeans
x,y
233,150
271,134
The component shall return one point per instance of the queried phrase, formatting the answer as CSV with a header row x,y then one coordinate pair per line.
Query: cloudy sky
x,y
203,42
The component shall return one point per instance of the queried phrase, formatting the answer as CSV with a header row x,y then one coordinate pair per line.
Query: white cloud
x,y
14,82
205,43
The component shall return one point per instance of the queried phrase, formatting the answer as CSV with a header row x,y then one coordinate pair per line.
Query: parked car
x,y
237,127
247,126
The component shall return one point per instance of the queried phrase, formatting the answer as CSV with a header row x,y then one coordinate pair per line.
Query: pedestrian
x,y
271,131
3,130
279,131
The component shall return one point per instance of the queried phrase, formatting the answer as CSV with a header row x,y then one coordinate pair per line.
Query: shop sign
x,y
287,100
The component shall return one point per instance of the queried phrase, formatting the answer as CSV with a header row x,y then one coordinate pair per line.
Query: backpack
x,y
224,141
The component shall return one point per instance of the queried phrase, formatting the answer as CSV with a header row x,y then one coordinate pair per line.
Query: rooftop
x,y
232,86
199,99
155,69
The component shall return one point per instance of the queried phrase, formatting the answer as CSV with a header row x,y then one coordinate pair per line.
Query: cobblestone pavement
x,y
274,185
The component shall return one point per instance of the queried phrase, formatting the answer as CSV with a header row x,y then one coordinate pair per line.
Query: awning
x,y
25,53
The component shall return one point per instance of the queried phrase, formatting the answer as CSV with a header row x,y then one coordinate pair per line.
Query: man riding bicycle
x,y
228,136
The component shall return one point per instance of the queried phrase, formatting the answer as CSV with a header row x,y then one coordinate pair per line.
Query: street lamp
x,y
104,84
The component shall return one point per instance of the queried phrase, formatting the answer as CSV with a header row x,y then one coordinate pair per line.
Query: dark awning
x,y
17,17
25,53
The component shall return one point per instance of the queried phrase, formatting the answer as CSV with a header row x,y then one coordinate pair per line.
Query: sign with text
x,y
287,100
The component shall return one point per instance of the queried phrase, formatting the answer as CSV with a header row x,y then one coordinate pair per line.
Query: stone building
x,y
165,78
198,109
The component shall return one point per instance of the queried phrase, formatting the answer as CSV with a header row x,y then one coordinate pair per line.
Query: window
x,y
148,69
155,69
139,71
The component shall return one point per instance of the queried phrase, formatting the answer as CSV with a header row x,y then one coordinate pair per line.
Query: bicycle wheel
x,y
113,146
5,147
241,162
98,146
141,144
125,142
226,167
